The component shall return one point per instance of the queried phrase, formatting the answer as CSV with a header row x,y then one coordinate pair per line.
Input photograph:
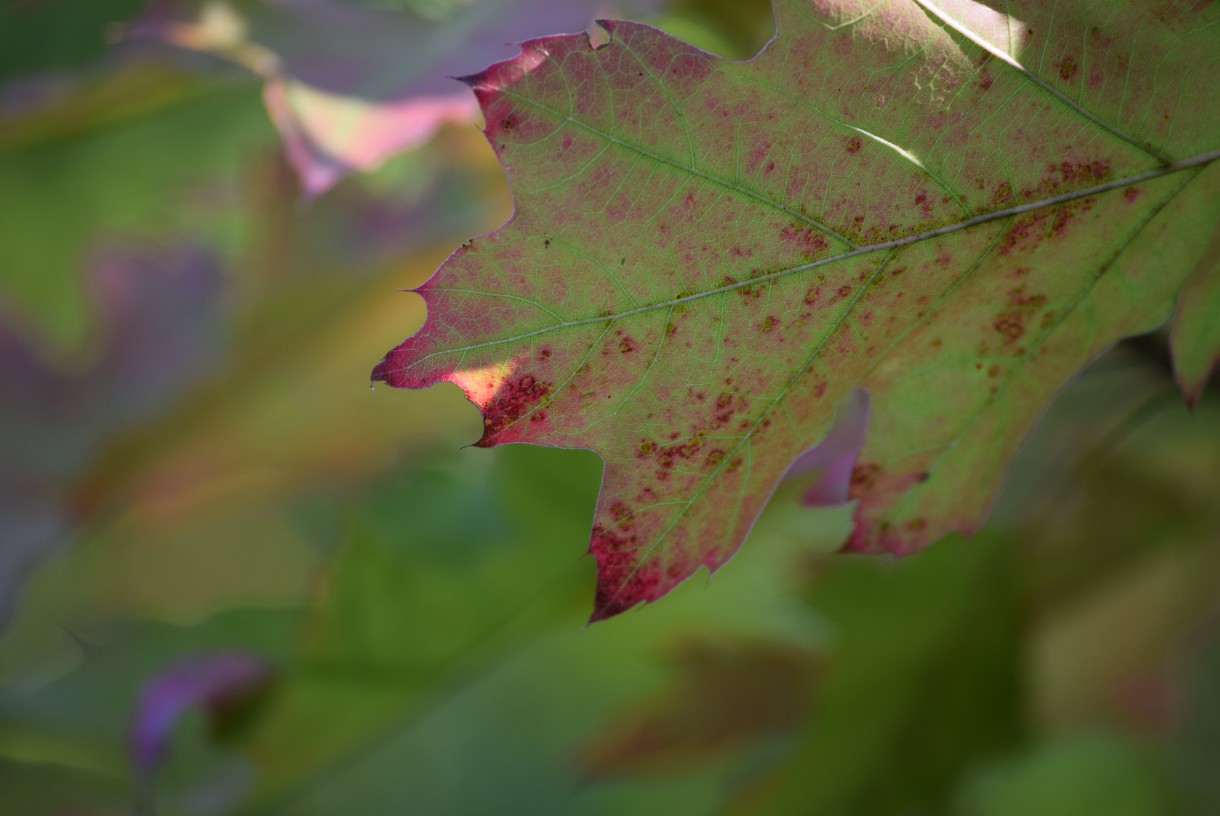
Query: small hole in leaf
x,y
597,36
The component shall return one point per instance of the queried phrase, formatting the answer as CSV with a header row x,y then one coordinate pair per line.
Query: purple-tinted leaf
x,y
833,459
156,334
349,85
217,683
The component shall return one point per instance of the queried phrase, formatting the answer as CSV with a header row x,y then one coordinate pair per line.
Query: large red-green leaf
x,y
948,207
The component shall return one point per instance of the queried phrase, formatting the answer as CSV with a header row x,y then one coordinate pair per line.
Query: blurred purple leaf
x,y
832,460
219,683
347,85
157,319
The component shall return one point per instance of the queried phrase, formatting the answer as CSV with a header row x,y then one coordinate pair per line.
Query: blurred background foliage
x,y
192,464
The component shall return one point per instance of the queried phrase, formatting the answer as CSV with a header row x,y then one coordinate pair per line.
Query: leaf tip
x,y
1193,385
381,372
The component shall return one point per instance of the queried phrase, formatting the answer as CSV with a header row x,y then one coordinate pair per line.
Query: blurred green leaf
x,y
1074,775
922,682
125,177
48,35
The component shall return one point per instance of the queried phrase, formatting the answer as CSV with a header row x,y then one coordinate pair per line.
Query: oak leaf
x,y
948,207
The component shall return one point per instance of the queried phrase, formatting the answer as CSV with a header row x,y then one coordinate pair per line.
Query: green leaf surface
x,y
80,33
952,208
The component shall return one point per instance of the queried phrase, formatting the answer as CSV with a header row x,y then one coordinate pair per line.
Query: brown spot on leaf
x,y
853,145
1010,324
864,475
1068,69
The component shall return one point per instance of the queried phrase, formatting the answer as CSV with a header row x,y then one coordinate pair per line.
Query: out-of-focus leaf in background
x,y
157,333
422,602
349,84
221,683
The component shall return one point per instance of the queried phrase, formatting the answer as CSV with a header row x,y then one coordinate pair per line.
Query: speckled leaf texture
x,y
950,208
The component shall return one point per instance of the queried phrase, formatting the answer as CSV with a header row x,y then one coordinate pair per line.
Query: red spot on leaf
x,y
620,511
1002,193
1012,321
853,145
621,582
513,401
1068,69
803,237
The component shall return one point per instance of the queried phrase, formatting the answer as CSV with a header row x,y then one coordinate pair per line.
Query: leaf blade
x,y
763,286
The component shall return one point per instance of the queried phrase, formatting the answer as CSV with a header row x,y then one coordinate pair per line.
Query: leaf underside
x,y
952,209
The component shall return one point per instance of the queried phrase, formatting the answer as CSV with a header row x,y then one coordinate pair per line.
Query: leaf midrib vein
x,y
984,218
